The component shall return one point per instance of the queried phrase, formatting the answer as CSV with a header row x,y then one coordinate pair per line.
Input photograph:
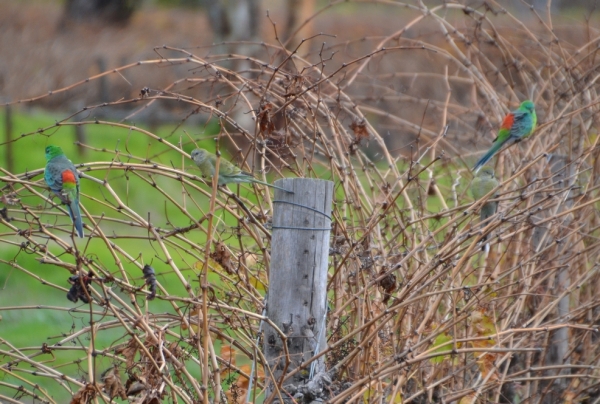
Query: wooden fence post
x,y
563,175
297,297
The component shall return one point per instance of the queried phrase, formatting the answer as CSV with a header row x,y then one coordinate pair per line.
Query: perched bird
x,y
62,178
228,173
517,125
483,183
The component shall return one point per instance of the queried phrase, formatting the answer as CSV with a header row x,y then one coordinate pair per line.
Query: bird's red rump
x,y
508,121
68,177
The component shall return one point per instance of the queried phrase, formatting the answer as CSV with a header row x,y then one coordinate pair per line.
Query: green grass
x,y
28,327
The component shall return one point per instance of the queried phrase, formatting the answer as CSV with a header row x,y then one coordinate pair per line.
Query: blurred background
x,y
47,45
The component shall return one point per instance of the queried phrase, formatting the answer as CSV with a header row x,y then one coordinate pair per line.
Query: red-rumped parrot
x,y
63,179
517,125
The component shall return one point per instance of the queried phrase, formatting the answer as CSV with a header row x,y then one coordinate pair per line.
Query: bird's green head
x,y
527,106
199,155
485,172
53,151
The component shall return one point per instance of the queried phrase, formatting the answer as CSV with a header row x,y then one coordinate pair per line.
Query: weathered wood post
x,y
563,176
297,297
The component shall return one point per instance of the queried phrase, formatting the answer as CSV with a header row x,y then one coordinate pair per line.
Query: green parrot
x,y
483,183
63,179
517,125
228,173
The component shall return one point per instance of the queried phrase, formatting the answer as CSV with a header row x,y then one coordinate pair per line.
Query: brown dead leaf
x,y
128,352
238,389
236,394
80,287
387,283
222,255
84,395
359,127
112,383
144,395
135,385
266,125
484,326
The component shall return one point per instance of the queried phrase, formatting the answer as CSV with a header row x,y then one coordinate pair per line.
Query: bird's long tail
x,y
269,185
486,157
75,214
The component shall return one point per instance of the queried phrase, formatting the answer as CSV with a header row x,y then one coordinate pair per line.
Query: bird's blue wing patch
x,y
522,124
53,177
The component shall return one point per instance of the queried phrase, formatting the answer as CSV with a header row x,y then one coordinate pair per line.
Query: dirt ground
x,y
38,56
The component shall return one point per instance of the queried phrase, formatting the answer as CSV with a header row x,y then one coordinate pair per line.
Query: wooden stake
x,y
297,297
